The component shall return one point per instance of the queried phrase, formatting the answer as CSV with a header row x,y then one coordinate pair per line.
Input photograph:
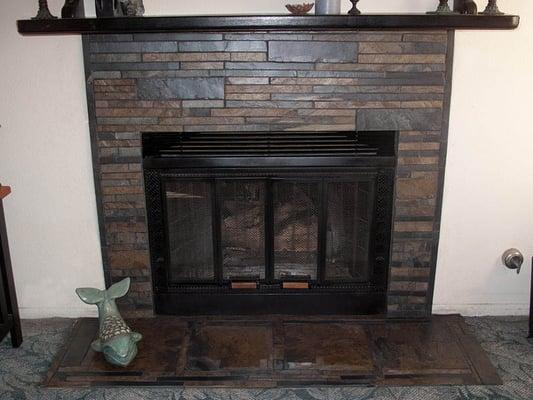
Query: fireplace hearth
x,y
262,223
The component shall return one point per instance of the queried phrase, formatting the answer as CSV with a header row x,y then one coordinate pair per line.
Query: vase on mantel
x,y
328,7
354,10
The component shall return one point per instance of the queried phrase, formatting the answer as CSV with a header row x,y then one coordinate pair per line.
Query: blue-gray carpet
x,y
21,371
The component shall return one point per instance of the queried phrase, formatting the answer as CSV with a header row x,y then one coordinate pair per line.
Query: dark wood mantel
x,y
267,22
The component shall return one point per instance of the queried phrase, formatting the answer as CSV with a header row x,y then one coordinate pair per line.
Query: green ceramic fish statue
x,y
116,340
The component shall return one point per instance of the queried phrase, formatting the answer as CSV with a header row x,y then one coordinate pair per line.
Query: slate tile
x,y
114,57
133,47
268,36
237,46
137,66
258,73
402,119
299,51
271,104
165,74
203,103
402,47
181,88
270,65
111,38
171,36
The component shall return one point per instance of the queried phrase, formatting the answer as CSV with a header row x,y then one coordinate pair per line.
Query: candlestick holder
x,y
354,10
443,8
44,11
492,8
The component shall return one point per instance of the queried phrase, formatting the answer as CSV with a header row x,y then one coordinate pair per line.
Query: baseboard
x,y
463,309
57,312
485,309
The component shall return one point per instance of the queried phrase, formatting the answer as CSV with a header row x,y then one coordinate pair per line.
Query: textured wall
x,y
262,82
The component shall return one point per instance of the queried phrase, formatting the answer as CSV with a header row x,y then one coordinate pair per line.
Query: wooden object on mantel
x,y
4,191
198,23
9,313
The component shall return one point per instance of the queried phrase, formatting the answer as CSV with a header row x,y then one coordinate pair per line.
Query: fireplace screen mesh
x,y
230,220
348,231
296,208
242,231
189,222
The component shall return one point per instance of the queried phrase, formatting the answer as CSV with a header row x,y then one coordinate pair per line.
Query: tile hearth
x,y
281,352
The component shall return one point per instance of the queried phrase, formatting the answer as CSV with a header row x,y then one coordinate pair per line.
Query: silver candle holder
x,y
442,8
492,8
44,11
327,7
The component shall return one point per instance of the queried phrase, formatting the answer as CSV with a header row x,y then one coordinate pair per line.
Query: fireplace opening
x,y
269,223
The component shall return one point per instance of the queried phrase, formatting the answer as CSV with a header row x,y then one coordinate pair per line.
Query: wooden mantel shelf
x,y
266,22
4,191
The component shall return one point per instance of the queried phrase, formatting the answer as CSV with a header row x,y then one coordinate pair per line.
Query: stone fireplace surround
x,y
277,81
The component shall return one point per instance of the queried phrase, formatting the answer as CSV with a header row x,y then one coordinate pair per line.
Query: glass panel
x,y
348,231
190,235
243,229
296,206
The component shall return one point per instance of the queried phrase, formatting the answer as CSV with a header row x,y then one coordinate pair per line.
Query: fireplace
x,y
287,223
255,84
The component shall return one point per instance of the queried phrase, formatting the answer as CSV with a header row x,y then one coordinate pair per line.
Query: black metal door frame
x,y
156,181
269,156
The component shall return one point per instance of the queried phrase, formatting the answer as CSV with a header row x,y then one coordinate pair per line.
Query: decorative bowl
x,y
300,9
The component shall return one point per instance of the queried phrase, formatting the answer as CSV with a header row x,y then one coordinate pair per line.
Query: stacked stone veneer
x,y
271,82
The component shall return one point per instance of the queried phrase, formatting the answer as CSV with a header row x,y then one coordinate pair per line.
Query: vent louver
x,y
269,144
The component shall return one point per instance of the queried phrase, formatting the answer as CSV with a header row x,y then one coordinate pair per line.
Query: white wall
x,y
488,194
45,156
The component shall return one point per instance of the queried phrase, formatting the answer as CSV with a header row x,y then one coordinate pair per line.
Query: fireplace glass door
x,y
269,229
